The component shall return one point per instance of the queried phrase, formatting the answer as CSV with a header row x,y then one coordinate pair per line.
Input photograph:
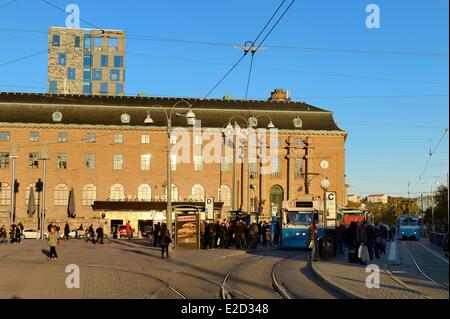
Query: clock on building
x,y
325,164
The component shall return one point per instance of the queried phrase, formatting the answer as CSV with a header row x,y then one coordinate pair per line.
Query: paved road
x,y
417,257
134,269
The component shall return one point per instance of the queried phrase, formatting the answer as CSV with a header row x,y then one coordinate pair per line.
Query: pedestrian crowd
x,y
363,241
236,233
15,234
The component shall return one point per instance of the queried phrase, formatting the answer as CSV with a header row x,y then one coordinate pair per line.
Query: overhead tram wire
x,y
432,152
23,58
8,3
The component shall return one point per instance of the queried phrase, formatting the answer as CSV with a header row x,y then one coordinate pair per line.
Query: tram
x,y
409,226
297,216
358,215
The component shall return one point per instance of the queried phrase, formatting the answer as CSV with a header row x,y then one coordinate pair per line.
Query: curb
x,y
346,292
397,260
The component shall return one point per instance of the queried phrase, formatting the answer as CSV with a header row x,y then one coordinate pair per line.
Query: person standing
x,y
3,235
277,231
156,234
100,234
92,233
53,241
340,239
129,230
66,231
18,235
165,240
313,235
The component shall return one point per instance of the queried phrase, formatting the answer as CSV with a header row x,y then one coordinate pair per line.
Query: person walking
x,y
66,231
100,234
3,235
53,241
277,232
18,235
129,230
165,240
313,235
156,234
91,234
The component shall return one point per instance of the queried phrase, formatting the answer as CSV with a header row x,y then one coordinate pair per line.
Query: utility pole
x,y
306,143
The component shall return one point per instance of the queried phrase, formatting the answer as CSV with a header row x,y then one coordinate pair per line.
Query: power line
x,y
23,58
8,3
432,152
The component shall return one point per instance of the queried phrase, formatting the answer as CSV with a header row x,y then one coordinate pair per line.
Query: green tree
x,y
440,209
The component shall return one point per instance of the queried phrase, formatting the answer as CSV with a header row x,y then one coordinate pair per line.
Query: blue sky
x,y
389,135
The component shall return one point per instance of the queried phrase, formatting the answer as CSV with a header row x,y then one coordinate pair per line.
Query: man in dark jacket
x,y
211,235
100,234
66,231
217,231
156,235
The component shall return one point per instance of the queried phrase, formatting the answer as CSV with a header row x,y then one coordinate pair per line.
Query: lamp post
x,y
44,156
14,154
324,184
190,118
39,185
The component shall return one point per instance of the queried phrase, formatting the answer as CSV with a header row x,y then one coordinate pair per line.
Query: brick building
x,y
109,151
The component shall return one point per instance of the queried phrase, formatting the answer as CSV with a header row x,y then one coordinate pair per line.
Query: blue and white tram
x,y
297,216
409,226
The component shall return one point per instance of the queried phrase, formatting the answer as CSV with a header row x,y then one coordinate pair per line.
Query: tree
x,y
440,208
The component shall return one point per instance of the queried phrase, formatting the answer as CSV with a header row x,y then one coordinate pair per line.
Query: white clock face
x,y
324,164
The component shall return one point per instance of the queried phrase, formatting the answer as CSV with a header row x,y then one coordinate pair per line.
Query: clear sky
x,y
393,104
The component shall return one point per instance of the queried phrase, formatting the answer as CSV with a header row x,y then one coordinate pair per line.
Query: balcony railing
x,y
276,175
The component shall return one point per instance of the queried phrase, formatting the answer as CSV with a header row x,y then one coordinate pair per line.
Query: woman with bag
x,y
53,240
165,240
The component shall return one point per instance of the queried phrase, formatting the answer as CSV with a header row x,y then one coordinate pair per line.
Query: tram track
x,y
416,263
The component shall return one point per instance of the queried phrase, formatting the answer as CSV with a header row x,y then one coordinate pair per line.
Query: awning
x,y
138,206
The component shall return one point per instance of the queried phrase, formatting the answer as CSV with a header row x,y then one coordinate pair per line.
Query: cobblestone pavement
x,y
118,269
350,279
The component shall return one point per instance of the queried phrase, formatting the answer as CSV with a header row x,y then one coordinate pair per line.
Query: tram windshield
x,y
409,222
297,219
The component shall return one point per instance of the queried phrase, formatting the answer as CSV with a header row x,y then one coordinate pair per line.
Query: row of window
x,y
117,193
87,61
97,42
87,87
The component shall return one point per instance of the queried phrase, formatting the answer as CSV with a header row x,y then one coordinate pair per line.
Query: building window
x,y
104,61
224,164
97,75
118,138
33,160
117,192
173,139
61,160
87,61
173,162
253,168
118,61
145,162
198,193
71,74
145,139
5,136
34,137
87,88
225,195
175,193
276,167
62,59
87,41
86,75
61,195
119,88
114,75
5,194
90,137
145,193
63,137
117,162
53,87
298,167
299,143
4,160
198,140
104,88
31,186
274,142
98,43
77,42
89,195
90,161
113,43
56,41
198,163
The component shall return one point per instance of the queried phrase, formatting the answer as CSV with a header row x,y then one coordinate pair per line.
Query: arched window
x,y
198,193
117,192
175,193
61,195
225,195
5,194
31,186
89,195
145,193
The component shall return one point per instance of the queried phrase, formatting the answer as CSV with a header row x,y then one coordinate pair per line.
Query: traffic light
x,y
16,186
39,186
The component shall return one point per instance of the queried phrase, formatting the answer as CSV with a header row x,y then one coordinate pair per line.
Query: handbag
x,y
168,240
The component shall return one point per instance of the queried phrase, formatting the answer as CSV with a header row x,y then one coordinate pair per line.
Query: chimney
x,y
279,95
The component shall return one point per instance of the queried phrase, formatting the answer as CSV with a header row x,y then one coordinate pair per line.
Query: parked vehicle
x,y
31,233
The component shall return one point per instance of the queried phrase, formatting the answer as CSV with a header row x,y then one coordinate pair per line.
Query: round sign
x,y
325,164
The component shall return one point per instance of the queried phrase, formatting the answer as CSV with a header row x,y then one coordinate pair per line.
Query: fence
x,y
436,238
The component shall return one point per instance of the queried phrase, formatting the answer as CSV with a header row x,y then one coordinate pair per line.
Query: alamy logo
x,y
73,279
373,19
373,279
73,17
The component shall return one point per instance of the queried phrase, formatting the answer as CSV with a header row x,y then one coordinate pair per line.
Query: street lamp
x,y
13,155
44,156
191,119
325,184
39,185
